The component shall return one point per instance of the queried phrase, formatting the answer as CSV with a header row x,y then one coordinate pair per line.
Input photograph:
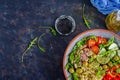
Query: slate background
x,y
19,22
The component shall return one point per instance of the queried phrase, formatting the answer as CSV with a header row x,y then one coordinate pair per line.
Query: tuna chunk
x,y
84,57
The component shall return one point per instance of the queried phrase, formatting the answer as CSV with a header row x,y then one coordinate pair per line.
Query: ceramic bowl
x,y
98,32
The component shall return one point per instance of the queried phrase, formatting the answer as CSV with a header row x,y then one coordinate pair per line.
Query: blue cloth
x,y
106,6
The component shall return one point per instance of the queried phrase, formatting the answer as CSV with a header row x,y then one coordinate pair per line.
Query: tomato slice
x,y
108,77
111,73
118,75
104,40
95,49
99,40
116,78
91,42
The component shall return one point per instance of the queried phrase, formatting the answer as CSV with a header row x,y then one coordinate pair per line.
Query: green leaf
x,y
100,72
68,65
91,36
75,76
101,46
31,44
77,59
52,30
71,57
84,19
41,48
38,44
110,41
81,42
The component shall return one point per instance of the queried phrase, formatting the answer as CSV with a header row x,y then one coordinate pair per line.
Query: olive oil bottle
x,y
113,21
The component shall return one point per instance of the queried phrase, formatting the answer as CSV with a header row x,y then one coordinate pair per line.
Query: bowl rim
x,y
78,35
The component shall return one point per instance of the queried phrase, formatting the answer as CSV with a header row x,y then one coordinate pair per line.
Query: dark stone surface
x,y
19,21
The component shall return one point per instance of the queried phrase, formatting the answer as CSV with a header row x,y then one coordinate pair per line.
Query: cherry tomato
x,y
99,40
116,78
112,69
118,75
104,40
91,42
112,72
108,77
95,49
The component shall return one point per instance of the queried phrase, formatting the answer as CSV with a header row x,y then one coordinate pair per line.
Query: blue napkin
x,y
106,6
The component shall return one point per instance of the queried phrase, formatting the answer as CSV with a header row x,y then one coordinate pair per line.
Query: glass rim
x,y
69,18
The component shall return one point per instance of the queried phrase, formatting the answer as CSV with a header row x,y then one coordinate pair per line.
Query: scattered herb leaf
x,y
38,44
85,20
53,31
31,44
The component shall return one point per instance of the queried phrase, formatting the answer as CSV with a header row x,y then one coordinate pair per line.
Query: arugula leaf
x,y
53,31
110,41
31,44
68,65
38,44
92,37
77,59
81,42
71,57
85,20
75,76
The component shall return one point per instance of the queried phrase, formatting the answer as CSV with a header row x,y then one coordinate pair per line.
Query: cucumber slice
x,y
113,46
102,50
118,52
111,53
103,59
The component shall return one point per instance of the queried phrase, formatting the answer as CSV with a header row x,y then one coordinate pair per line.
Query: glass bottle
x,y
113,21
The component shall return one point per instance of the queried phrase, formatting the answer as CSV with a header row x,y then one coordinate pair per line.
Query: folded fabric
x,y
106,6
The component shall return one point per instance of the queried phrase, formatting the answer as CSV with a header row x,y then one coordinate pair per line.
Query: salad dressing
x,y
113,21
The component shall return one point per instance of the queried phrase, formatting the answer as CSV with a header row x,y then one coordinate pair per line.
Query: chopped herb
x,y
85,20
53,31
38,44
31,44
